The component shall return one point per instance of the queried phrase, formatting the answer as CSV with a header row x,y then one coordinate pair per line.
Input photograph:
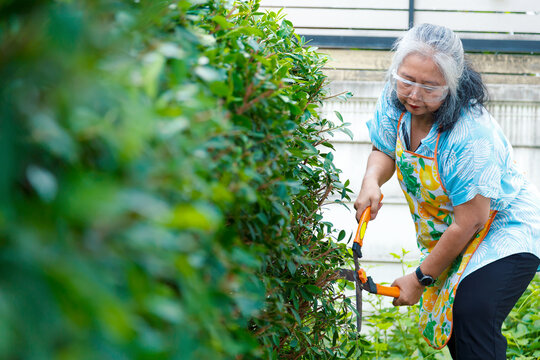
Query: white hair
x,y
437,42
441,44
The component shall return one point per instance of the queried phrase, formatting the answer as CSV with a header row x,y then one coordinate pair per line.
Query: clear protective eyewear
x,y
425,93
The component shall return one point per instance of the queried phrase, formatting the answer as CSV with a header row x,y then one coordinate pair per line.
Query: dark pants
x,y
483,300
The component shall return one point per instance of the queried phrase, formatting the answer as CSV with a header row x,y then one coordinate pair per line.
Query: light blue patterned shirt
x,y
475,158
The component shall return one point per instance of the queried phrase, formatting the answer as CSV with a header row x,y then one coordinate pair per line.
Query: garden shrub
x,y
164,165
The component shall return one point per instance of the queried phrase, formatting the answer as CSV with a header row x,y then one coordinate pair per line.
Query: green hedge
x,y
163,172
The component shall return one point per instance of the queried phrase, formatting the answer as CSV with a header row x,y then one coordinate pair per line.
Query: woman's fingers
x,y
375,209
368,197
397,301
410,290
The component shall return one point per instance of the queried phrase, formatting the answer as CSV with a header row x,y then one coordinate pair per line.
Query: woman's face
x,y
420,85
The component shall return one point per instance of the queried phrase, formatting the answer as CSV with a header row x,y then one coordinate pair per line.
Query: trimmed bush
x,y
163,173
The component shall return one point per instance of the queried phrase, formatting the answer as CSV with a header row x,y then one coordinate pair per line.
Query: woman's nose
x,y
415,93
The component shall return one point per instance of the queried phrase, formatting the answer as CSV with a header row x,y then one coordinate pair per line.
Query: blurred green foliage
x,y
163,172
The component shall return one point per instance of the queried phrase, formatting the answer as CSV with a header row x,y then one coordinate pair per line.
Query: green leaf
x,y
291,266
348,132
46,131
313,289
43,182
220,88
222,21
294,343
194,216
351,351
338,114
296,316
207,73
244,30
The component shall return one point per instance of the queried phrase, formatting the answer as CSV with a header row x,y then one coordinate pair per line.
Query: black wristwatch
x,y
425,280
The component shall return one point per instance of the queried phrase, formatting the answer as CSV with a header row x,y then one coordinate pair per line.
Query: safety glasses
x,y
425,93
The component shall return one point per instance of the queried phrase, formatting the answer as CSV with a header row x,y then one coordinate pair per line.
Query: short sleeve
x,y
477,160
383,126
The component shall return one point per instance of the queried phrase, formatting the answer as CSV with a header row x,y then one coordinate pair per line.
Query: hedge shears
x,y
358,275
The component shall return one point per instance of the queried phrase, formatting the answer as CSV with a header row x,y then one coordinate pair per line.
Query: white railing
x,y
480,19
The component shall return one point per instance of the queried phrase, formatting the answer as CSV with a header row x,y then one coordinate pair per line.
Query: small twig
x,y
268,184
324,254
262,330
333,96
231,12
317,143
327,192
250,103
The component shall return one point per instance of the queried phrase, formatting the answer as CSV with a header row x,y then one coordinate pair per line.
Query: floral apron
x,y
433,213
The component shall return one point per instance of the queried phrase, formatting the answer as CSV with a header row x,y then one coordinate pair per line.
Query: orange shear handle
x,y
362,225
392,291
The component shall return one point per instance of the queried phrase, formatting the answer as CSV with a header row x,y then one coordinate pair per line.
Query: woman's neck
x,y
420,128
424,121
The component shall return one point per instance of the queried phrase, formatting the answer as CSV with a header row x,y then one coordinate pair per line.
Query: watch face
x,y
425,280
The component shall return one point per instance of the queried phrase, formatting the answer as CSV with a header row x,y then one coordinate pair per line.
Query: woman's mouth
x,y
414,106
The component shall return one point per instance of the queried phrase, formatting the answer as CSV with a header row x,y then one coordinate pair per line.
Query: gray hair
x,y
445,48
437,42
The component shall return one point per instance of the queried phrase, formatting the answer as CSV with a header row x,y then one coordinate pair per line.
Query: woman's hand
x,y
410,290
370,195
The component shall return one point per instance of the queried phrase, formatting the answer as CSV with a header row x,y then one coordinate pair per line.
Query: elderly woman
x,y
477,218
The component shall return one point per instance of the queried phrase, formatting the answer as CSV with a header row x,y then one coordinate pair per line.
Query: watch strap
x,y
425,280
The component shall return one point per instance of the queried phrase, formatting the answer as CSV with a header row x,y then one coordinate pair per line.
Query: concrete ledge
x,y
371,65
